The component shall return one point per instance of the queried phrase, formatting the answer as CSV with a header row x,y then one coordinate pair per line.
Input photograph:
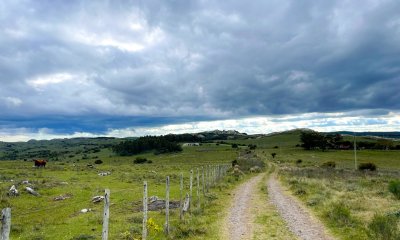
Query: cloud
x,y
196,60
325,122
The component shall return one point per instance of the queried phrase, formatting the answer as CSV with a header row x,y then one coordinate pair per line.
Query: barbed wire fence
x,y
205,177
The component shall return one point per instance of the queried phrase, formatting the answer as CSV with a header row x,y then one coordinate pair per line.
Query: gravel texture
x,y
298,219
240,218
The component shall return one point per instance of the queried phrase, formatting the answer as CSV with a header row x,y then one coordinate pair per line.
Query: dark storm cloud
x,y
196,59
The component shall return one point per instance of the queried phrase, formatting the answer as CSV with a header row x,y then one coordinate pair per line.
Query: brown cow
x,y
40,163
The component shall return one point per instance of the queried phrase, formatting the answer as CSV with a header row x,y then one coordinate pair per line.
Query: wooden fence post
x,y
144,231
202,172
5,224
106,214
198,188
180,198
167,206
207,178
191,190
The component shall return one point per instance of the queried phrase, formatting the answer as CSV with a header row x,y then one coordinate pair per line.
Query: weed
x,y
367,166
394,187
384,227
340,214
329,164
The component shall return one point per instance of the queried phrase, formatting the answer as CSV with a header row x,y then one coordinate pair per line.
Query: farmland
x,y
346,200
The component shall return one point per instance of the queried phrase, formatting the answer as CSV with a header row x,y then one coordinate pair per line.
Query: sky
x,y
132,68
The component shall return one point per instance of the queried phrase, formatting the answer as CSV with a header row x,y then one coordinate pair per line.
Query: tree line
x,y
314,140
158,144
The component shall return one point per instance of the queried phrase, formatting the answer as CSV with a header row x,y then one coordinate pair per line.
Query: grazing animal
x,y
40,163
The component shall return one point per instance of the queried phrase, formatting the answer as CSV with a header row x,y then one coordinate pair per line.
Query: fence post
x,y
190,190
106,214
144,231
167,206
198,188
202,172
180,198
5,223
207,178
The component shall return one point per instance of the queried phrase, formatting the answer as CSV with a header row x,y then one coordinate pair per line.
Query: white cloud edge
x,y
324,122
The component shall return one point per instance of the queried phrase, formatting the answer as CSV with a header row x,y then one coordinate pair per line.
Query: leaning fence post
x,y
144,231
106,214
5,223
167,206
180,198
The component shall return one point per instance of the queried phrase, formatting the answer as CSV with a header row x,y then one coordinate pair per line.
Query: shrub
x,y
98,161
298,161
234,162
276,147
252,146
339,214
149,161
234,145
273,155
140,160
394,187
367,166
329,164
384,227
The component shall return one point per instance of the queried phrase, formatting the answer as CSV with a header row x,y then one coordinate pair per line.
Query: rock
x,y
85,210
62,197
26,182
97,199
13,192
104,173
255,169
31,191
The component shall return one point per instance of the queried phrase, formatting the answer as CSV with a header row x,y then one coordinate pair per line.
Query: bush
x,y
384,227
234,145
98,161
273,155
234,162
140,160
394,187
340,214
298,161
252,146
367,166
329,164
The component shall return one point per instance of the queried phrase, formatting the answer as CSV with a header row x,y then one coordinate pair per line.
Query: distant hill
x,y
392,135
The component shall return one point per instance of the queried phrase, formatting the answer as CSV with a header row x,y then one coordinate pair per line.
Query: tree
x,y
313,140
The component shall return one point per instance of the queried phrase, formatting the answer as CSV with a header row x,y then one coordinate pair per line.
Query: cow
x,y
40,163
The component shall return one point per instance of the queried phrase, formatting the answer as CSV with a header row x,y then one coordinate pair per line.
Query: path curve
x,y
239,218
299,220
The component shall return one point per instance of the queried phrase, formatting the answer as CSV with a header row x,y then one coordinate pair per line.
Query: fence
x,y
210,176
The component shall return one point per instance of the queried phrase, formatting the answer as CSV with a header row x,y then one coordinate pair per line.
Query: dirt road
x,y
299,221
239,223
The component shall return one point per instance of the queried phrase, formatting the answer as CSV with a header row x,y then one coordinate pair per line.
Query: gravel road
x,y
299,220
240,218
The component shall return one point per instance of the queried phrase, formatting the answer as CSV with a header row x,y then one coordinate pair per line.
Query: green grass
x,y
43,218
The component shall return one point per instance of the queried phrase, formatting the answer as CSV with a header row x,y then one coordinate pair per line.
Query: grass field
x,y
348,201
42,218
